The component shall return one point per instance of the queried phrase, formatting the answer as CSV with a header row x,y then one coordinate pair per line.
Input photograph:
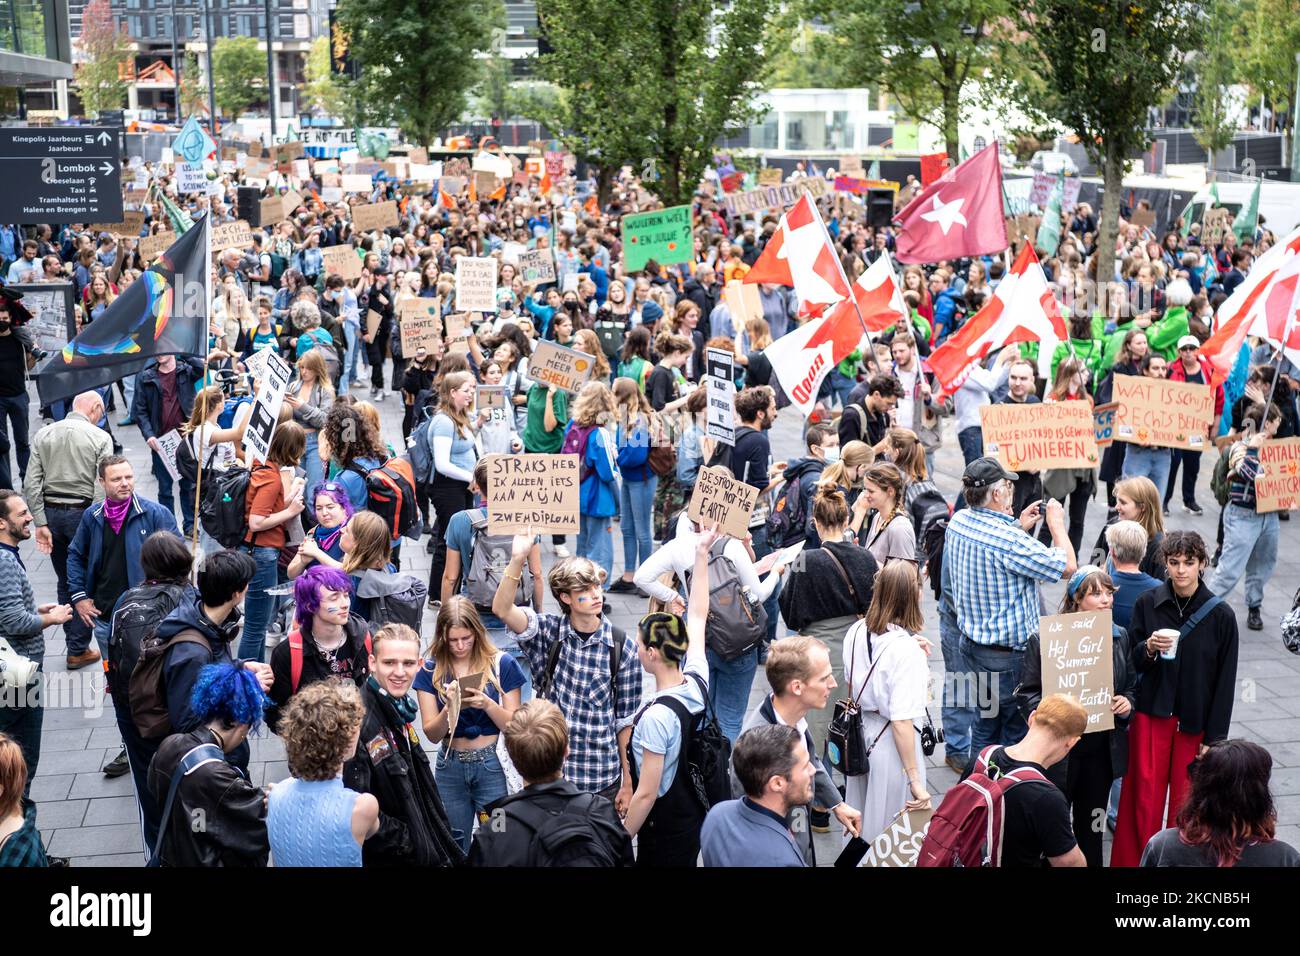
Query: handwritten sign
x,y
1161,413
743,302
231,235
537,266
721,410
151,247
1103,424
488,397
266,410
476,284
273,210
421,324
168,444
1277,486
287,152
191,178
773,197
1041,435
567,369
721,499
375,215
1076,659
356,182
770,176
1215,224
663,235
341,260
1044,183
900,842
485,183
533,492
373,321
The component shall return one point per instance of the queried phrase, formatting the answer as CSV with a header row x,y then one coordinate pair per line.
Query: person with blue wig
x,y
212,813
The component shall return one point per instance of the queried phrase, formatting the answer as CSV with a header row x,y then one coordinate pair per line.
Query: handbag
x,y
845,747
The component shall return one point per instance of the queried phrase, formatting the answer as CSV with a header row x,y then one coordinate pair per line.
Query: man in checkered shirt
x,y
992,569
598,705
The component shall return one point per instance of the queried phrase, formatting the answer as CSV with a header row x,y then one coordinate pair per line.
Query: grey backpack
x,y
489,557
737,621
395,598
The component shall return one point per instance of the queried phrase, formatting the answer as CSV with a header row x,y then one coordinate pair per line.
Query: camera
x,y
930,736
15,670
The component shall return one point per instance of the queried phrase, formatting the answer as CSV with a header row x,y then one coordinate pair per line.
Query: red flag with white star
x,y
958,215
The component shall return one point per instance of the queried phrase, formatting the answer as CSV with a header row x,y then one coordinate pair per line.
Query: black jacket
x,y
389,763
1030,693
815,591
513,846
146,409
232,810
706,297
351,660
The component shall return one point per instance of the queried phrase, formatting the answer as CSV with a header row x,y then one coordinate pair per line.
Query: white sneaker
x,y
562,552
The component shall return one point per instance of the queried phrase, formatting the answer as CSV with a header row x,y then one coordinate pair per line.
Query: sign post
x,y
60,174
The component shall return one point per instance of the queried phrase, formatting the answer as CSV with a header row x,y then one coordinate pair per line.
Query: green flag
x,y
1248,218
1187,217
1049,233
874,171
178,217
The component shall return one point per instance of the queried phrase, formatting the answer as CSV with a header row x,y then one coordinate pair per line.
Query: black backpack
x,y
926,508
736,622
931,545
223,512
572,836
139,612
705,748
787,523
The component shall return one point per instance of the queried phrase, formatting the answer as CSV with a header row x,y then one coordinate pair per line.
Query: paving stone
x,y
92,841
274,771
71,761
110,859
60,814
112,810
51,788
97,785
53,741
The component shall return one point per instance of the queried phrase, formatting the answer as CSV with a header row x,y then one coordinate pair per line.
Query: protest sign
x,y
457,166
287,152
151,247
375,215
565,368
1146,218
456,333
721,419
373,321
487,397
774,197
231,235
273,210
357,182
476,284
255,364
570,282
901,841
421,324
1103,424
167,445
423,172
1026,228
537,266
266,409
1277,486
1215,224
723,500
536,494
663,235
1161,413
512,251
418,156
341,260
451,185
1041,435
851,166
1076,658
743,302
485,183
554,165
770,176
191,178
302,169
1044,183
534,166
255,148
850,184
292,201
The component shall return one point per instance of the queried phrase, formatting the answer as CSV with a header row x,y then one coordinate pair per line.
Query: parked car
x,y
1048,161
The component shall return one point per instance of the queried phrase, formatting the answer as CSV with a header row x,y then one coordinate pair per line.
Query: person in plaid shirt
x,y
20,841
598,704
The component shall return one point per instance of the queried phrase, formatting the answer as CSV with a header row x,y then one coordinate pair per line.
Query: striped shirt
x,y
995,572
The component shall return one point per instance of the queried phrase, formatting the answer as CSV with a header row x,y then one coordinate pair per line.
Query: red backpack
x,y
295,658
967,828
390,492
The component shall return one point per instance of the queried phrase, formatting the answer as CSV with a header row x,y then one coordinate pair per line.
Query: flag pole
x,y
871,343
203,394
1281,352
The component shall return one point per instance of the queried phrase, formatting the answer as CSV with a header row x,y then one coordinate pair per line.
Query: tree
x,y
323,91
806,59
655,84
418,59
1266,36
193,94
1213,68
924,54
238,74
100,78
1104,64
492,95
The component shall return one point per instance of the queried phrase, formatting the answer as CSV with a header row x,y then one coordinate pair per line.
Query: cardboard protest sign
x,y
774,197
511,252
537,493
663,235
721,409
1277,486
1161,413
1103,424
341,260
743,302
456,332
554,165
356,182
770,176
476,284
418,156
151,247
1146,218
1076,657
266,409
423,172
255,148
231,235
1041,435
1026,228
485,183
565,368
487,397
168,444
373,321
273,210
1215,224
723,500
537,266
421,324
191,178
287,152
375,215
900,843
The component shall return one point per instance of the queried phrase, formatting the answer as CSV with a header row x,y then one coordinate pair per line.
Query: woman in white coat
x,y
885,662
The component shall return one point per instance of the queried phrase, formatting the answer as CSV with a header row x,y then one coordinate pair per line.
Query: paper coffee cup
x,y
1170,654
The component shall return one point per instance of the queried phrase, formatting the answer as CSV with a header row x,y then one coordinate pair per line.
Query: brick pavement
x,y
92,819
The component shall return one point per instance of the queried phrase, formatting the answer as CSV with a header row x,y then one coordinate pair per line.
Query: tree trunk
x,y
604,184
1108,226
951,112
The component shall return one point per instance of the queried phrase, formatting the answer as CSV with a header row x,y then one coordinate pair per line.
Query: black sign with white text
x,y
60,174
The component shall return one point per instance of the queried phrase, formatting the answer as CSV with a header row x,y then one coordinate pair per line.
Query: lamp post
x,y
210,31
1295,127
270,71
176,68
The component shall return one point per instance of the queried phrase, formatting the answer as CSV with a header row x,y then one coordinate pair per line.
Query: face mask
x,y
832,455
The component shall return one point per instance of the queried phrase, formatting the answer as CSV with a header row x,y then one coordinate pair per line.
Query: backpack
x,y
571,836
394,598
611,334
705,750
1221,480
390,492
147,695
227,417
420,449
926,509
546,684
967,828
278,266
930,544
736,622
786,522
328,351
489,556
223,512
575,443
1290,626
295,657
139,612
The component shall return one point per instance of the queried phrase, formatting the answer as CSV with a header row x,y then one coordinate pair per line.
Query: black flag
x,y
165,311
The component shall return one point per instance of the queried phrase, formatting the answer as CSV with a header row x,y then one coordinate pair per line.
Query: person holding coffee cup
x,y
1188,669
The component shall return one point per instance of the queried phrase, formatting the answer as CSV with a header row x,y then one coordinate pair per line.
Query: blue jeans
x,y
841,386
1153,463
167,493
729,686
103,628
958,711
467,782
503,639
1000,671
63,523
258,605
314,467
596,541
22,715
636,521
128,395
14,407
972,443
352,333
1250,549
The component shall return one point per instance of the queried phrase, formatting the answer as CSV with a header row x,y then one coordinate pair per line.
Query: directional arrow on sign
x,y
107,168
104,138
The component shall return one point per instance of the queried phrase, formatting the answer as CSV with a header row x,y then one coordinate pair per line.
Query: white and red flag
x,y
800,255
957,215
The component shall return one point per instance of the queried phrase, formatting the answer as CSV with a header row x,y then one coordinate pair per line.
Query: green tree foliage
x,y
1214,68
1265,41
655,84
492,95
418,59
323,91
238,74
193,92
100,77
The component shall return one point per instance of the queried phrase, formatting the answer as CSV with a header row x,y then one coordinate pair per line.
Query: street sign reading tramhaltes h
x,y
67,174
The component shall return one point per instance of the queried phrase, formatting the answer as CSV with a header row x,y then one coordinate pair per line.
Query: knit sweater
x,y
20,625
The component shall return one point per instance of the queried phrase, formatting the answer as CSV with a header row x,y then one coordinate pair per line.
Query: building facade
x,y
35,56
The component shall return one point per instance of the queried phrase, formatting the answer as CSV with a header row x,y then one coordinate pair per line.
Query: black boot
x,y
1253,619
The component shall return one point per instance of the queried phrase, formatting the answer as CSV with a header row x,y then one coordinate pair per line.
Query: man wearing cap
x,y
1190,367
992,567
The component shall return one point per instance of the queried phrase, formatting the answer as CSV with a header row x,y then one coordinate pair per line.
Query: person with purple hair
x,y
324,546
327,642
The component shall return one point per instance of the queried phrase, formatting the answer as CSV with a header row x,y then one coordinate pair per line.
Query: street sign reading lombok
x,y
60,174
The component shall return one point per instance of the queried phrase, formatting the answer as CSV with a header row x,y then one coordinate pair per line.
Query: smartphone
x,y
853,852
